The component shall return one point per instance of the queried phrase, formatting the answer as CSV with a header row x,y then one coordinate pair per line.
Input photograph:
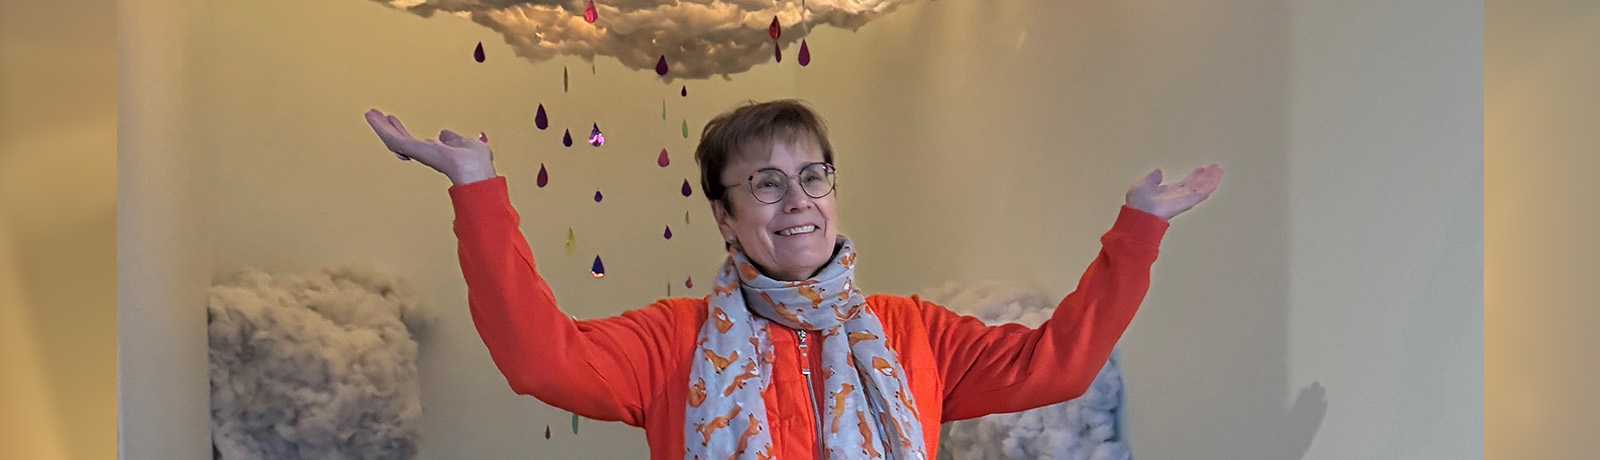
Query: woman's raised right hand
x,y
461,159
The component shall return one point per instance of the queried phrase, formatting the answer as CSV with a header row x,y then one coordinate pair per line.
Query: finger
x,y
1215,177
392,139
450,138
1151,180
380,124
393,121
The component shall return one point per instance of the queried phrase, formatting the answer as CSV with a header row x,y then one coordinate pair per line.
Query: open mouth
x,y
797,230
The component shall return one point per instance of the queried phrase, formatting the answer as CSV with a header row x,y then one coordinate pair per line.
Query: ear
x,y
719,210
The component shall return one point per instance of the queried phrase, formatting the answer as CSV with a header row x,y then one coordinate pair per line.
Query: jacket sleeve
x,y
1010,368
602,369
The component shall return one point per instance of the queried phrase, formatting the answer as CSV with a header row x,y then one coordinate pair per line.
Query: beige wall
x,y
976,140
162,241
1541,65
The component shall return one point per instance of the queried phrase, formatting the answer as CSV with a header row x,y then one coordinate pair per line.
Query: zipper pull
x,y
805,368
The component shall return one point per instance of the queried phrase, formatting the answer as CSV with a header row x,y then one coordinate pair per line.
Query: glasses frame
x,y
750,183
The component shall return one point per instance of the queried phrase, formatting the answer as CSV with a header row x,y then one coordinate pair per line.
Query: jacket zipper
x,y
805,370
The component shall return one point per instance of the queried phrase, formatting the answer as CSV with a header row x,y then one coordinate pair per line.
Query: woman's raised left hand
x,y
1168,200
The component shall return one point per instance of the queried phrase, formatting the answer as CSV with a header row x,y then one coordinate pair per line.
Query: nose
x,y
796,199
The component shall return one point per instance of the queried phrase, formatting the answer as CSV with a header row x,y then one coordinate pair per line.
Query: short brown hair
x,y
753,125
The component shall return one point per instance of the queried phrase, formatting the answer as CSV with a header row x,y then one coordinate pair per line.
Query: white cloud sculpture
x,y
316,366
699,38
1089,427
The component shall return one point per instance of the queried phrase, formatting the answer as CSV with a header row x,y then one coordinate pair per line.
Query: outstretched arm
x,y
1010,367
602,369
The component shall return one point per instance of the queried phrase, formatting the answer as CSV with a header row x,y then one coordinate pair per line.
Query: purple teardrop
x,y
595,138
598,270
686,190
805,53
661,65
597,196
777,52
684,92
689,283
541,120
668,234
478,53
566,138
662,160
547,431
544,177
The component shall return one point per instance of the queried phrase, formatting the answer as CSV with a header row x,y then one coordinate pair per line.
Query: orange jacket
x,y
634,367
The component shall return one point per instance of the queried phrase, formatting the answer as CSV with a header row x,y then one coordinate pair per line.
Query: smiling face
x,y
761,230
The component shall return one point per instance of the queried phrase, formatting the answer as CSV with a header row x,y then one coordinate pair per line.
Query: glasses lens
x,y
817,180
769,186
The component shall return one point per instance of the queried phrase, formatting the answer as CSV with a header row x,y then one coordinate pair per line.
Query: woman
x,y
786,358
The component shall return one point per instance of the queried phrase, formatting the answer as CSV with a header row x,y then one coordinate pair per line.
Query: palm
x,y
1169,200
451,154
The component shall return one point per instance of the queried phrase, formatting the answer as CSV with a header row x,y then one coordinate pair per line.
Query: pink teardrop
x,y
589,14
689,283
805,53
662,160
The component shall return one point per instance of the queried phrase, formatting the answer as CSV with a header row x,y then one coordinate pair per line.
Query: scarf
x,y
868,411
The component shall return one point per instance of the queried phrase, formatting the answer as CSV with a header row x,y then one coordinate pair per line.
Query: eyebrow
x,y
802,167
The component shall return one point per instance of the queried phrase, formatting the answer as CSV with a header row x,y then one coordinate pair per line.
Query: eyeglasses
x,y
770,185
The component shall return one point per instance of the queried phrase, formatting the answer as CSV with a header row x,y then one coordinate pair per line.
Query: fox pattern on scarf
x,y
861,375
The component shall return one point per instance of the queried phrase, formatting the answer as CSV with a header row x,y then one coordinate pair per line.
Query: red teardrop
x,y
589,14
774,30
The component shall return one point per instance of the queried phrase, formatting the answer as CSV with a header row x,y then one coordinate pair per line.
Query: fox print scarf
x,y
868,411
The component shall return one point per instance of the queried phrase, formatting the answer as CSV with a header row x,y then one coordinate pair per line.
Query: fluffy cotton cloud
x,y
700,38
1085,428
314,366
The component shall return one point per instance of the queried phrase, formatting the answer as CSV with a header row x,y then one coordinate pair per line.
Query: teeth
x,y
800,229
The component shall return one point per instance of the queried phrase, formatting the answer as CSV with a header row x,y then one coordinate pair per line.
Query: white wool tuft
x,y
1086,428
314,366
